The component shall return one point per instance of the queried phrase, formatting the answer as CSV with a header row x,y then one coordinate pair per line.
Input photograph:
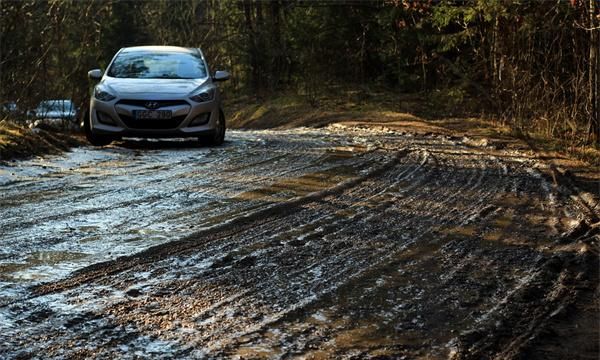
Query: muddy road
x,y
329,243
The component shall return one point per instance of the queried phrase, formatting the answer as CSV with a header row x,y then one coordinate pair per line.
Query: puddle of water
x,y
506,228
493,235
115,164
300,186
512,200
258,352
505,220
53,257
463,231
39,259
144,231
84,186
148,239
368,336
89,228
90,239
344,152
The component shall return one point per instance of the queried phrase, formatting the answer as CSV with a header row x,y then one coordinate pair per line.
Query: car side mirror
x,y
221,75
95,74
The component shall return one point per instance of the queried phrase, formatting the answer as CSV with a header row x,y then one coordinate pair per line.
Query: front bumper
x,y
116,118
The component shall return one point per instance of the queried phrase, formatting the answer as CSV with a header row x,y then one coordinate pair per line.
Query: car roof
x,y
157,48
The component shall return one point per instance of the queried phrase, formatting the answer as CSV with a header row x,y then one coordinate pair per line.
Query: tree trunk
x,y
252,51
277,45
593,133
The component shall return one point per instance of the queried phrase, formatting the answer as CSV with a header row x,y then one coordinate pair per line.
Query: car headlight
x,y
204,95
101,94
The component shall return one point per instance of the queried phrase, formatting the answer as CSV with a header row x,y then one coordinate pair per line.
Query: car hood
x,y
129,87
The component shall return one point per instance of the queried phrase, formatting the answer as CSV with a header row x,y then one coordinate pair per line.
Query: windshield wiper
x,y
168,76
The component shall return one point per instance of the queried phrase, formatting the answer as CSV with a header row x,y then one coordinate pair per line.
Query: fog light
x,y
200,119
104,118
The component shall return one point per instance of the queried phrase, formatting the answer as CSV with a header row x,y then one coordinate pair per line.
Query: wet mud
x,y
317,244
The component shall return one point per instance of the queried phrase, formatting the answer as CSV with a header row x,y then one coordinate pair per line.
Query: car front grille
x,y
151,124
161,103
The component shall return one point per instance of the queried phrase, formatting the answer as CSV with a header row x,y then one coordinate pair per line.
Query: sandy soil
x,y
341,242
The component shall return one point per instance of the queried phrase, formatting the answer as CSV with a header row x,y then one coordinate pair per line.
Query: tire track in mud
x,y
351,182
98,200
409,174
479,179
376,263
240,224
405,259
59,237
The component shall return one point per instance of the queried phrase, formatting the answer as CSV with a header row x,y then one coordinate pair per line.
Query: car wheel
x,y
94,139
218,137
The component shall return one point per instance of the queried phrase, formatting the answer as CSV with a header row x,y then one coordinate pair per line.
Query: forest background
x,y
530,65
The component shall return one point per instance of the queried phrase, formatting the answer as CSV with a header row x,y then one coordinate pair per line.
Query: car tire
x,y
218,137
94,139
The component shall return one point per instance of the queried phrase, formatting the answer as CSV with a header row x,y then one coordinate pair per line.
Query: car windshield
x,y
56,105
157,65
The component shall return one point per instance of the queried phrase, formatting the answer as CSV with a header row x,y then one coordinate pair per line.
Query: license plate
x,y
153,114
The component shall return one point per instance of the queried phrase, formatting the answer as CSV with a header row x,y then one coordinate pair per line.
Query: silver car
x,y
156,91
55,110
57,114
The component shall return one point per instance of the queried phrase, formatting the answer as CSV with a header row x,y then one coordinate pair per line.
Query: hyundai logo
x,y
152,105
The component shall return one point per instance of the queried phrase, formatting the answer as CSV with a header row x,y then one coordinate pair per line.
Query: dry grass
x,y
17,141
415,113
350,107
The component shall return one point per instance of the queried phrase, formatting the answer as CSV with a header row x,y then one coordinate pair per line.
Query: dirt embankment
x,y
19,141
